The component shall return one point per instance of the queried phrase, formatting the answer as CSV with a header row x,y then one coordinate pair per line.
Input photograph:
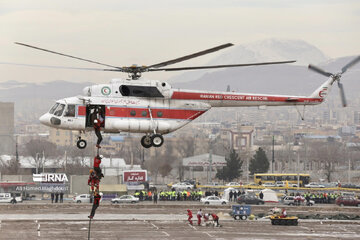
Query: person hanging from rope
x,y
93,180
97,162
97,127
96,203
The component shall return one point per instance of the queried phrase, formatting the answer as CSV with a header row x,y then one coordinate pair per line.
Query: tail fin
x,y
324,90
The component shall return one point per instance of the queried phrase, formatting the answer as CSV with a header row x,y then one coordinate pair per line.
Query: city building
x,y
7,137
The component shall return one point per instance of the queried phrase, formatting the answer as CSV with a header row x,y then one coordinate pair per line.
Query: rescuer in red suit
x,y
215,218
190,216
97,162
96,204
97,127
93,180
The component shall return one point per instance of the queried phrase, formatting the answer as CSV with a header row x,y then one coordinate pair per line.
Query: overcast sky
x,y
123,32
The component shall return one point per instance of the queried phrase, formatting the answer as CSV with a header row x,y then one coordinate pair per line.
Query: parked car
x,y
233,184
82,198
350,185
213,200
314,185
290,200
268,184
8,198
347,201
249,199
182,186
280,184
125,199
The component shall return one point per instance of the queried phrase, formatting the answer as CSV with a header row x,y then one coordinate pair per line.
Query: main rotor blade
x,y
350,64
319,70
47,66
219,66
194,55
342,94
66,55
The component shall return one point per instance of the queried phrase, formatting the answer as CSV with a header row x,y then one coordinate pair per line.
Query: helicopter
x,y
154,108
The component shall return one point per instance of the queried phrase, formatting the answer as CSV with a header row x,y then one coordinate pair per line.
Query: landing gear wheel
x,y
81,144
157,140
146,141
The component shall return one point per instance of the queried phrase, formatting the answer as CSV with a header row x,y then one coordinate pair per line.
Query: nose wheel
x,y
81,143
155,140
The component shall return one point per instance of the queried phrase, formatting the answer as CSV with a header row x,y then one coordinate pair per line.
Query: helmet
x,y
188,210
91,171
95,121
101,156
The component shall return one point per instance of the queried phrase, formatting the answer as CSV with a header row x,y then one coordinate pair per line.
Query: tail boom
x,y
226,99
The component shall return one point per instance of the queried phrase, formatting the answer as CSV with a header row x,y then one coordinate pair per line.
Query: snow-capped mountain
x,y
261,51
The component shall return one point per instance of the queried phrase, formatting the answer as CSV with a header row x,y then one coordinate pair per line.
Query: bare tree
x,y
327,155
9,167
38,149
164,169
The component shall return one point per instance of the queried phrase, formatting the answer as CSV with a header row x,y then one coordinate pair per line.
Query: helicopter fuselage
x,y
153,107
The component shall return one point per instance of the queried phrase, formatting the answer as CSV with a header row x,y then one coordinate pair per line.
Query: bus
x,y
292,178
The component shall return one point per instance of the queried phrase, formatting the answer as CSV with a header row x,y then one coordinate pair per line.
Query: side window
x,y
70,111
132,112
159,114
59,111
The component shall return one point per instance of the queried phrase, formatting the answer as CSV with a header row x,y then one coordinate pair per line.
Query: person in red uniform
x,y
215,218
97,162
93,180
97,198
190,216
199,216
97,127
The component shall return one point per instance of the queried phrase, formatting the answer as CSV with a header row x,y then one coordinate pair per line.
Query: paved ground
x,y
163,221
134,229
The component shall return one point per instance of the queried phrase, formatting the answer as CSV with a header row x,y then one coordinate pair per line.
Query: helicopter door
x,y
95,112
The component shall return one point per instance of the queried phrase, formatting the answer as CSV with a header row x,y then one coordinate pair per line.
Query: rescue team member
x,y
215,218
96,204
206,218
97,127
97,162
93,180
283,213
190,216
199,216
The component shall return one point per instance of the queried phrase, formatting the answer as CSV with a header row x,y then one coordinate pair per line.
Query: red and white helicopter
x,y
155,108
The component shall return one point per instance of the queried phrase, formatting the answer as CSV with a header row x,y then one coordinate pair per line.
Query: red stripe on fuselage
x,y
237,97
185,114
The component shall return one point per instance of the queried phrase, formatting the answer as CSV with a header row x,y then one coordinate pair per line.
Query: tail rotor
x,y
337,77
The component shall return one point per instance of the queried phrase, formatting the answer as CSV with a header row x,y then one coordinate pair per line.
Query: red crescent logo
x,y
322,93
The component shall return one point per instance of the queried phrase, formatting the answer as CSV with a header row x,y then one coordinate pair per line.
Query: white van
x,y
6,198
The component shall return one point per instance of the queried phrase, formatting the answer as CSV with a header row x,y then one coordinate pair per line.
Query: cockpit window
x,y
70,111
59,110
53,108
139,91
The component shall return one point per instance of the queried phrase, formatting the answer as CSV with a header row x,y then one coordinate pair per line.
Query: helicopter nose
x,y
45,119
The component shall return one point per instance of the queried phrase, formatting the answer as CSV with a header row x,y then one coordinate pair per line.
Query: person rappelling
x,y
97,162
96,203
93,181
